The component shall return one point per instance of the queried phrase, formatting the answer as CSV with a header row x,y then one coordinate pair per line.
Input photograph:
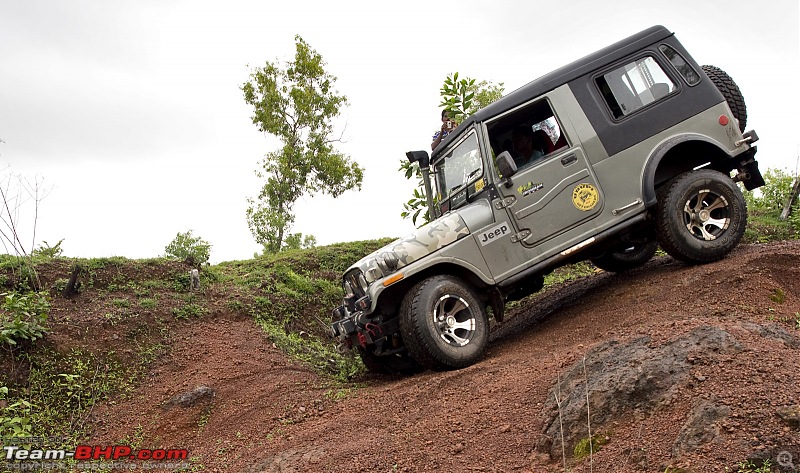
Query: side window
x,y
530,134
687,71
634,85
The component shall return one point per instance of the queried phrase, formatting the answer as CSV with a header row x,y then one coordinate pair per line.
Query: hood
x,y
422,242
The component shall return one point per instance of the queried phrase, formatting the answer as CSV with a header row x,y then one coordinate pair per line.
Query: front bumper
x,y
360,329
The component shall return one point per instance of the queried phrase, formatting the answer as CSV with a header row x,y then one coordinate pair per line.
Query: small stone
x,y
505,428
459,447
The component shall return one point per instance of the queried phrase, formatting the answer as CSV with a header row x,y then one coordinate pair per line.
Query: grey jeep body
x,y
502,234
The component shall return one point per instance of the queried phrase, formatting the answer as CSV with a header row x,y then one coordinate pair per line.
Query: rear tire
x,y
701,216
626,256
443,324
731,92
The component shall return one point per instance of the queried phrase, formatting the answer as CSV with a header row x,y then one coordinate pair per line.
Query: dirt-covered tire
x,y
701,216
730,91
398,363
626,256
443,324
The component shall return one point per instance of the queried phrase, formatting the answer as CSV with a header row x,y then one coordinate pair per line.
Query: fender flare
x,y
654,160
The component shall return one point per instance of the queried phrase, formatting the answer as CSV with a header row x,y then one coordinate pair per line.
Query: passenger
x,y
522,139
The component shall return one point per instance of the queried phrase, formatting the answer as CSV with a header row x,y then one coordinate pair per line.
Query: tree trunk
x,y
73,284
787,208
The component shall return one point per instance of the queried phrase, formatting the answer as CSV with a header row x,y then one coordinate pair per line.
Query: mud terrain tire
x,y
626,256
443,324
730,91
701,216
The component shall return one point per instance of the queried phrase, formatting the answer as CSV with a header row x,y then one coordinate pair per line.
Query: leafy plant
x,y
15,418
188,310
47,251
194,250
23,317
466,96
750,467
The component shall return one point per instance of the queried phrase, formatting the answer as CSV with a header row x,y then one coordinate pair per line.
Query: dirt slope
x,y
272,414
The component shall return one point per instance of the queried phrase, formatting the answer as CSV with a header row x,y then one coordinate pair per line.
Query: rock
x,y
700,428
190,398
774,332
624,380
790,416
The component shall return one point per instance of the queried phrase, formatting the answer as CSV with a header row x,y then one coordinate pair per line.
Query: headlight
x,y
348,289
362,282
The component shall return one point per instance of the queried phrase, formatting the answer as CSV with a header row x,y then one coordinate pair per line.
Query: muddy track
x,y
272,414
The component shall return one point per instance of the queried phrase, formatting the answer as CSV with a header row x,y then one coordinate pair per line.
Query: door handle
x,y
567,160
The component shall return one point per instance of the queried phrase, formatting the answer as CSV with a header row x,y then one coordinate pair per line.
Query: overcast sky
x,y
132,114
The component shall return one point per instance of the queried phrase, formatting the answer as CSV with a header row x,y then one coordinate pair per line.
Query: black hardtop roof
x,y
566,74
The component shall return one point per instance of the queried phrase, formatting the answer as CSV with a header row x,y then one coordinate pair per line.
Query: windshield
x,y
457,168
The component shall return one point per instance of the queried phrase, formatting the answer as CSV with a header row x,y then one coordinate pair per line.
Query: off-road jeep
x,y
641,146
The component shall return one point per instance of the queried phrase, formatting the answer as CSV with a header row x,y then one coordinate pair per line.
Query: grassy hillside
x,y
60,356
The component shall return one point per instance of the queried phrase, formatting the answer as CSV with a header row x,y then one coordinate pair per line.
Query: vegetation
x,y
461,97
764,207
296,103
49,389
193,250
466,96
751,467
23,317
589,445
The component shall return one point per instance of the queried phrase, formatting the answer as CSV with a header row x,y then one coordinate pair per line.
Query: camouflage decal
x,y
424,241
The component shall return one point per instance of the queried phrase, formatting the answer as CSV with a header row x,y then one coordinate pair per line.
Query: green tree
x,y
295,102
466,96
462,98
194,250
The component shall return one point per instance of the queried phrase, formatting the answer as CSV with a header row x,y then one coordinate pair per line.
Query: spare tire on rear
x,y
730,91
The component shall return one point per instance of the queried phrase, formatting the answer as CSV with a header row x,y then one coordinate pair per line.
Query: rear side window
x,y
634,85
687,71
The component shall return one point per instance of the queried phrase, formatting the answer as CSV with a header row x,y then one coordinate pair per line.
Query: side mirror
x,y
506,166
420,157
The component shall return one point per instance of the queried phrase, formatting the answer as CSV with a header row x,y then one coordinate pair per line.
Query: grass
x,y
288,295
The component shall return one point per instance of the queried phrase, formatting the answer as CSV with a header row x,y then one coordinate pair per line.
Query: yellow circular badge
x,y
585,197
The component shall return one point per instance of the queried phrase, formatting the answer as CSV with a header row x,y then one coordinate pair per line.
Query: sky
x,y
130,113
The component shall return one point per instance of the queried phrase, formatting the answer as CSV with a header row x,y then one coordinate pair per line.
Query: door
x,y
552,196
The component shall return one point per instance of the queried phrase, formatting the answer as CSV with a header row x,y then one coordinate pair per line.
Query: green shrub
x,y
189,310
47,251
23,317
147,303
194,250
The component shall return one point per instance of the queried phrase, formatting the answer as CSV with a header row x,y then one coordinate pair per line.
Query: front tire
x,y
701,216
444,325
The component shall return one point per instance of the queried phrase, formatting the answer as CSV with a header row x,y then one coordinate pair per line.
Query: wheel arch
x,y
393,295
680,154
